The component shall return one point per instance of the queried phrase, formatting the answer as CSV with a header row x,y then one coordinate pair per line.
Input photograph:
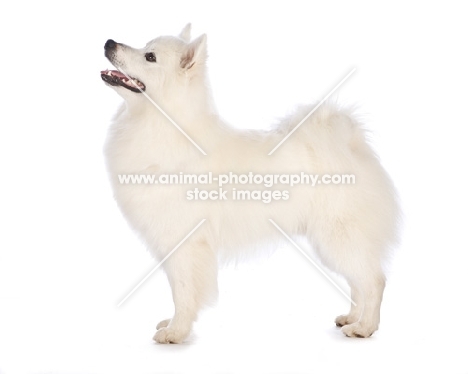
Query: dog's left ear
x,y
185,33
195,53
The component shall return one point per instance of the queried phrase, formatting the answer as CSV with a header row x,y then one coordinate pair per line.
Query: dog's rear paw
x,y
163,323
357,330
166,335
343,320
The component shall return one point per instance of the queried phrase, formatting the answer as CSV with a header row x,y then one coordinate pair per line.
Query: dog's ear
x,y
185,33
194,54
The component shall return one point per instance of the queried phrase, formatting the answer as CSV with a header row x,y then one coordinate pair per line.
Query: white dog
x,y
351,227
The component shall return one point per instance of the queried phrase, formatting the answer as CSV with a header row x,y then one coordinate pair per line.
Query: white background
x,y
67,257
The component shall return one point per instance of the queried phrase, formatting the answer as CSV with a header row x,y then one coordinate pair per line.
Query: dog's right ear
x,y
185,33
195,53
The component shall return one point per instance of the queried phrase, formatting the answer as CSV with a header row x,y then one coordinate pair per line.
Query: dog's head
x,y
167,63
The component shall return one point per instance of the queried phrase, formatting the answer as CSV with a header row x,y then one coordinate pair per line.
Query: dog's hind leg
x,y
351,253
354,312
367,292
367,283
192,274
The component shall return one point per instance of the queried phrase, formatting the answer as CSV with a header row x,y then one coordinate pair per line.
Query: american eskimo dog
x,y
168,125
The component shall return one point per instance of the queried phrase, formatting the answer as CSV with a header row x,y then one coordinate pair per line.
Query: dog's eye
x,y
150,57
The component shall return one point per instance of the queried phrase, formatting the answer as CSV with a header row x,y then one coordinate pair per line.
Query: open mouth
x,y
116,78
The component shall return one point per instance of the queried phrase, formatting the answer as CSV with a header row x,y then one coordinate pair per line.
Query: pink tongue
x,y
115,73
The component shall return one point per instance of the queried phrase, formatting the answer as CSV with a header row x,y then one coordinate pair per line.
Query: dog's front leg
x,y
192,273
177,329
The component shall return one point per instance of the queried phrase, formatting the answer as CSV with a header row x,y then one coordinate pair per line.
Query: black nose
x,y
110,44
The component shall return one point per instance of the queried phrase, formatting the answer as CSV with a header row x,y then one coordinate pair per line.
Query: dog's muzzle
x,y
116,77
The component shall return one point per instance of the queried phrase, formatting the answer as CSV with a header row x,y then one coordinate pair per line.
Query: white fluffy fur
x,y
351,226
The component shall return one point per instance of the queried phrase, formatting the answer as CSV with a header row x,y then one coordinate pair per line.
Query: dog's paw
x,y
166,335
163,323
343,320
357,330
